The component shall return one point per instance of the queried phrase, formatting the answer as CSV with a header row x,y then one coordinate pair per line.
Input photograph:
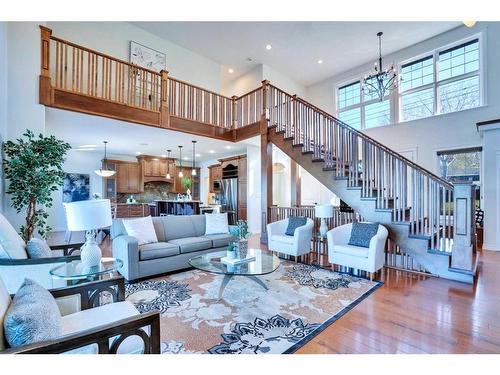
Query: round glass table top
x,y
264,263
75,270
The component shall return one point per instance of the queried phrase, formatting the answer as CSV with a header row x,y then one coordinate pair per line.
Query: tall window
x,y
442,82
361,110
461,165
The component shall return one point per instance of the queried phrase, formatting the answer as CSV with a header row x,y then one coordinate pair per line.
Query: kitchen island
x,y
176,207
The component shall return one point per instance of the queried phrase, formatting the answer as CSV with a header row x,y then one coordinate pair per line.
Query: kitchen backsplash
x,y
152,191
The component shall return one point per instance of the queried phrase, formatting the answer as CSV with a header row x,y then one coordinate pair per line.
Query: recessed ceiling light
x,y
320,61
164,156
185,158
268,46
138,152
228,147
211,152
230,70
198,155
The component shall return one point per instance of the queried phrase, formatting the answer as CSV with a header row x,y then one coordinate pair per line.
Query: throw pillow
x,y
362,233
216,224
12,245
38,248
33,316
293,223
141,228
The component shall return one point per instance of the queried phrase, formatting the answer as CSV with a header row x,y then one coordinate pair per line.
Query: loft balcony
x,y
79,79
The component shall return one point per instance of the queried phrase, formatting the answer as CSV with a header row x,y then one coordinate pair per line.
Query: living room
x,y
193,187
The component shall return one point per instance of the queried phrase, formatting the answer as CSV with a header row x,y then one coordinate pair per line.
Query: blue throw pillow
x,y
293,223
362,233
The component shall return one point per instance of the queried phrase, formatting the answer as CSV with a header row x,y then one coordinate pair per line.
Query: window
x,y
461,165
361,110
442,82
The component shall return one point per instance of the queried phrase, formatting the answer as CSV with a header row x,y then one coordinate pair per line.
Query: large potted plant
x,y
33,167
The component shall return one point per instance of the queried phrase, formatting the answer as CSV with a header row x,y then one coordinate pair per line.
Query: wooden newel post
x,y
266,163
464,226
234,115
164,114
44,83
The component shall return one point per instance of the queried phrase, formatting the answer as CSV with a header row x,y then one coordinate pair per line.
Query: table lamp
x,y
323,211
89,215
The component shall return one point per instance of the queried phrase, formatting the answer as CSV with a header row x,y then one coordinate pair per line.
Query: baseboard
x,y
491,247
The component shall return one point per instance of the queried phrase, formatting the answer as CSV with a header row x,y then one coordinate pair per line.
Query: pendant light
x,y
180,162
104,171
193,171
168,177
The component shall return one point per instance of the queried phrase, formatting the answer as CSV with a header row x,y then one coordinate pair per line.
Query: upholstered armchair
x,y
15,265
296,245
369,259
91,328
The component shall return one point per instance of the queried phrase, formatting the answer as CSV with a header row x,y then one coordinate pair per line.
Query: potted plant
x,y
33,167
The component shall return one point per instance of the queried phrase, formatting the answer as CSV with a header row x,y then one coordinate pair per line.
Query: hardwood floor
x,y
418,314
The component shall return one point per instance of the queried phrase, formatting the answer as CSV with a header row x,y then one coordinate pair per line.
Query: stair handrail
x,y
369,139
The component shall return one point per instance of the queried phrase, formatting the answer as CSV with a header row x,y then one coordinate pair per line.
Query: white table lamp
x,y
89,216
323,211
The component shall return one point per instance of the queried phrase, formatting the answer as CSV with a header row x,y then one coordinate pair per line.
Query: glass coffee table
x,y
264,263
75,272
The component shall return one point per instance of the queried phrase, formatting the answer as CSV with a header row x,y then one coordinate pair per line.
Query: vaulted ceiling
x,y
296,46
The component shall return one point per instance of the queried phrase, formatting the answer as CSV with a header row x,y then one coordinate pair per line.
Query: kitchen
x,y
161,185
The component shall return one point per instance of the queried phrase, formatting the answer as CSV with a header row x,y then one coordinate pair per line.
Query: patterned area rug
x,y
301,301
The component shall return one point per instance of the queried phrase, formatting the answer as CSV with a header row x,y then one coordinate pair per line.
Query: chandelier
x,y
381,82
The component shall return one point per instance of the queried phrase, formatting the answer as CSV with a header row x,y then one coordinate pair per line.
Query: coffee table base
x,y
228,277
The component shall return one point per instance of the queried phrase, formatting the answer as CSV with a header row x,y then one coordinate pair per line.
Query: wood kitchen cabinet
x,y
156,168
124,210
195,187
242,188
128,178
214,174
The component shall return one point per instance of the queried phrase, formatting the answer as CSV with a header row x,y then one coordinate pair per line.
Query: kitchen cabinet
x,y
129,178
156,168
124,210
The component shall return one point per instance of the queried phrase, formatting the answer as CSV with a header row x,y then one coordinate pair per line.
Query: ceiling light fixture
x,y
193,171
168,177
320,61
104,171
268,46
211,152
381,82
180,162
469,23
230,70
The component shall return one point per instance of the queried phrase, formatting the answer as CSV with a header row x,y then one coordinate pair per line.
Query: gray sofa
x,y
179,239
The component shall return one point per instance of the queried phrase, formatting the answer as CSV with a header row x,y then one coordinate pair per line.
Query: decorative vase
x,y
243,248
90,253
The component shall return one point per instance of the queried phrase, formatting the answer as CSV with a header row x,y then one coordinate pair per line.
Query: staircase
x,y
378,183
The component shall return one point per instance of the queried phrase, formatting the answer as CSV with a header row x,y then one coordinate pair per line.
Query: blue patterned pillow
x,y
293,223
362,233
33,316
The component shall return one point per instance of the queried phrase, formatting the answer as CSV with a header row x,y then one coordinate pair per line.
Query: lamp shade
x,y
323,210
88,215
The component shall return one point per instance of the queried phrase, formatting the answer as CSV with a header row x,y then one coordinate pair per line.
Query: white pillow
x,y
141,228
216,224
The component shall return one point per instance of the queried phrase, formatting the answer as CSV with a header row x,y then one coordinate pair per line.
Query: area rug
x,y
302,300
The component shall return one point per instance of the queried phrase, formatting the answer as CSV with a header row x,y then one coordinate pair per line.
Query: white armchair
x,y
296,245
369,259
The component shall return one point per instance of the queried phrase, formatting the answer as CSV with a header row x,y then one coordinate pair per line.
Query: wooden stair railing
x,y
412,194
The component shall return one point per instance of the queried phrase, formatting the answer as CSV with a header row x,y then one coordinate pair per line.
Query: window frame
x,y
438,83
362,103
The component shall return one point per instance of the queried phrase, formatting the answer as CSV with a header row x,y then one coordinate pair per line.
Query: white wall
x,y
491,186
281,179
447,131
284,82
244,83
254,193
114,38
23,111
85,162
314,192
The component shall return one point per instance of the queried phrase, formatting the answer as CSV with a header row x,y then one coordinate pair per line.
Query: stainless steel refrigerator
x,y
229,199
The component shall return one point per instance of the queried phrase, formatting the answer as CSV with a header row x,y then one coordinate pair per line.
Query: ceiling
x,y
129,139
296,46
